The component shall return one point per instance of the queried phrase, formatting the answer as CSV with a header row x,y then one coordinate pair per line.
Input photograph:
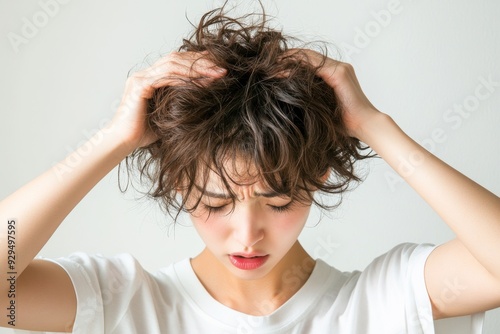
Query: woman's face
x,y
251,239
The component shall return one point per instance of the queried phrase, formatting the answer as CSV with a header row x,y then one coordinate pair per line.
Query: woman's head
x,y
268,120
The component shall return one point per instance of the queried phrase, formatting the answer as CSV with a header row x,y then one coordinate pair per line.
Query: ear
x,y
325,176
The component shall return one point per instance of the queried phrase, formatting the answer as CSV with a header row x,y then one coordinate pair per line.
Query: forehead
x,y
236,181
239,176
236,171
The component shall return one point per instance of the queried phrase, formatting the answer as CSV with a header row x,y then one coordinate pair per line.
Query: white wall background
x,y
65,80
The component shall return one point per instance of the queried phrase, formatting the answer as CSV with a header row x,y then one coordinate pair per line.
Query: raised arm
x,y
42,297
463,275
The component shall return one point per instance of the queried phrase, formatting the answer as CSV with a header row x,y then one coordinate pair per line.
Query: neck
x,y
258,296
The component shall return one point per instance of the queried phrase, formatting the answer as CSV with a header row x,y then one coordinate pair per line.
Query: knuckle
x,y
174,55
131,79
344,69
135,82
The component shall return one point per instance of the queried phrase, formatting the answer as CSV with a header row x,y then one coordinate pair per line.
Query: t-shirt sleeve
x,y
104,288
393,288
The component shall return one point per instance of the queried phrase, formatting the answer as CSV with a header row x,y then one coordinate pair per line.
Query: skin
x,y
471,211
258,223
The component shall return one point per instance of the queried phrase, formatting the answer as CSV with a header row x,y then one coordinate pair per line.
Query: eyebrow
x,y
226,196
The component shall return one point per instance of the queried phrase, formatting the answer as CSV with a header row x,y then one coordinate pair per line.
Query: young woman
x,y
241,131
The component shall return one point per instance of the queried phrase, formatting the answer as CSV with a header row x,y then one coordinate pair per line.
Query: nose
x,y
248,229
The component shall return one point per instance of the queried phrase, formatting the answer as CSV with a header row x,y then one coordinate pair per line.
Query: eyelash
x,y
213,209
279,209
282,208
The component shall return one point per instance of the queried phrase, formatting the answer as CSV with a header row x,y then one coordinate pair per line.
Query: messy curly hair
x,y
270,110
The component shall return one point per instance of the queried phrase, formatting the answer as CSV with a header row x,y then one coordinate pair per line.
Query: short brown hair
x,y
270,109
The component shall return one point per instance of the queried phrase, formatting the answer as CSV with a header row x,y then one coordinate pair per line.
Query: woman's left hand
x,y
357,109
471,211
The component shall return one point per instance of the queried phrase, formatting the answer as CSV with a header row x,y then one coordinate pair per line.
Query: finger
x,y
308,59
179,69
195,61
301,55
180,74
327,68
175,69
206,67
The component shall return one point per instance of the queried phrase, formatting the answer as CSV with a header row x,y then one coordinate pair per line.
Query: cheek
x,y
296,217
291,223
212,229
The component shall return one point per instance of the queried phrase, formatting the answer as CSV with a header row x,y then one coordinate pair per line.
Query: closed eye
x,y
276,208
212,209
282,208
222,209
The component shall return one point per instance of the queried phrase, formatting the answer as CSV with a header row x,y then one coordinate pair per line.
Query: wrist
x,y
373,126
113,141
122,138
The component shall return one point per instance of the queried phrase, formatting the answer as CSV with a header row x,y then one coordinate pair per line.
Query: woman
x,y
240,131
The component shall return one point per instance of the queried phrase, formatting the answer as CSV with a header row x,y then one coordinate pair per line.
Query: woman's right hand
x,y
173,69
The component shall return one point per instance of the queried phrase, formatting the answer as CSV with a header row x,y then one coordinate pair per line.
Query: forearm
x,y
471,211
40,206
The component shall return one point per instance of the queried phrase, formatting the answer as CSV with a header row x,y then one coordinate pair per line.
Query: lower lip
x,y
248,263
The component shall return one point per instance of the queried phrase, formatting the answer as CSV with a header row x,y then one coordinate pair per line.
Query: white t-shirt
x,y
116,295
